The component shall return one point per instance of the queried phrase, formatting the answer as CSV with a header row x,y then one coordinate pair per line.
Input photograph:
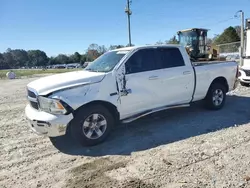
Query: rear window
x,y
169,57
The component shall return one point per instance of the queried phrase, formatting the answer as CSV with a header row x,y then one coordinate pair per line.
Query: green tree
x,y
3,64
62,59
91,55
229,35
8,50
15,58
52,61
37,58
172,40
83,58
102,49
159,42
20,57
75,58
238,30
9,61
93,52
113,47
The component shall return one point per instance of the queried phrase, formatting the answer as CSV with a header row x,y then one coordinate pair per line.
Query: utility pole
x,y
241,36
128,12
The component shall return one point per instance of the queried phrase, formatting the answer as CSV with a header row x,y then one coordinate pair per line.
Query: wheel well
x,y
222,81
112,108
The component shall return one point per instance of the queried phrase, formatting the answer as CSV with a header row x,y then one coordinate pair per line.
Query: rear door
x,y
177,78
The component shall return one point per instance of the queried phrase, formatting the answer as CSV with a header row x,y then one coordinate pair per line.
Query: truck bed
x,y
207,71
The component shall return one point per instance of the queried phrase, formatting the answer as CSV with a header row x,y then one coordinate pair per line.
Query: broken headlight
x,y
53,106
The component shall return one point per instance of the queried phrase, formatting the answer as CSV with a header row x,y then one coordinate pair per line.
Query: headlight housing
x,y
53,106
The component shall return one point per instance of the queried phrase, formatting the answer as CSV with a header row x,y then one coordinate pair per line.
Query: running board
x,y
147,112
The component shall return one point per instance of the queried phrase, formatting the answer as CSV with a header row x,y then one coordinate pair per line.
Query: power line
x,y
219,22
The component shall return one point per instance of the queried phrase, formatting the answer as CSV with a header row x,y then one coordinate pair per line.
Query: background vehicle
x,y
124,85
244,76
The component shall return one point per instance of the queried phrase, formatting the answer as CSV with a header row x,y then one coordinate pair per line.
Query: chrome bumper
x,y
43,123
245,80
244,77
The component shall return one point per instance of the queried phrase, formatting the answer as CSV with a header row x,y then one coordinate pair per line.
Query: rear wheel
x,y
216,96
92,125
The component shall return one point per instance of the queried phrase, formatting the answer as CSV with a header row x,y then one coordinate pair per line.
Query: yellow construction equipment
x,y
195,41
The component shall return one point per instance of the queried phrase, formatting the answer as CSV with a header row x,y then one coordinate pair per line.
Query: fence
x,y
229,49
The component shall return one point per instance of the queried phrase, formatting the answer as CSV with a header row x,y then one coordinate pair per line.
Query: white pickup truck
x,y
123,85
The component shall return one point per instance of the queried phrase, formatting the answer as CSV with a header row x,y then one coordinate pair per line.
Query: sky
x,y
67,26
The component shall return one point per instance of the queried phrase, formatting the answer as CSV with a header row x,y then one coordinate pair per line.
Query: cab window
x,y
141,61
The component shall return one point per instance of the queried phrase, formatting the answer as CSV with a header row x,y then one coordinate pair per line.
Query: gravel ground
x,y
189,147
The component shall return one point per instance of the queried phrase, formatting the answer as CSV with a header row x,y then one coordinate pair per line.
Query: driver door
x,y
141,79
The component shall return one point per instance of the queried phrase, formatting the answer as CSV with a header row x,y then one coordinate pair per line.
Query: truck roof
x,y
146,46
190,29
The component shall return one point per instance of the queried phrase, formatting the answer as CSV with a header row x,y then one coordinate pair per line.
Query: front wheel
x,y
92,125
216,96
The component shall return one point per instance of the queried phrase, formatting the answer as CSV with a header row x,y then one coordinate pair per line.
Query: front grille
x,y
247,72
34,104
33,99
31,94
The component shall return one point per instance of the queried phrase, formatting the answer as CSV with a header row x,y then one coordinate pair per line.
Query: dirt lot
x,y
189,147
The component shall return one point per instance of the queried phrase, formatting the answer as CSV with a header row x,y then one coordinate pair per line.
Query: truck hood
x,y
48,84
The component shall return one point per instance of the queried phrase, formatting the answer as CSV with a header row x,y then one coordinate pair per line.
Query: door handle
x,y
186,72
153,77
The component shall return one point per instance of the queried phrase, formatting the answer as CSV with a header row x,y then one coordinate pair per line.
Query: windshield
x,y
106,62
188,38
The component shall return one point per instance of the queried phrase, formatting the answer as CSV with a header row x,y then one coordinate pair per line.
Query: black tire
x,y
63,143
57,142
210,103
77,130
244,84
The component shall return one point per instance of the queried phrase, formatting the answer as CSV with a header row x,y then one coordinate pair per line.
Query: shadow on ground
x,y
165,127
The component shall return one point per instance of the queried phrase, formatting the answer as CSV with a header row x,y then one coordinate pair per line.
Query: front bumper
x,y
43,123
244,78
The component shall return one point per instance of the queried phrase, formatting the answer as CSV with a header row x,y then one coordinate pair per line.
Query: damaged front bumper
x,y
43,123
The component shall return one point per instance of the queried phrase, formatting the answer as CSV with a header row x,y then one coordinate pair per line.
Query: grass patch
x,y
30,72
